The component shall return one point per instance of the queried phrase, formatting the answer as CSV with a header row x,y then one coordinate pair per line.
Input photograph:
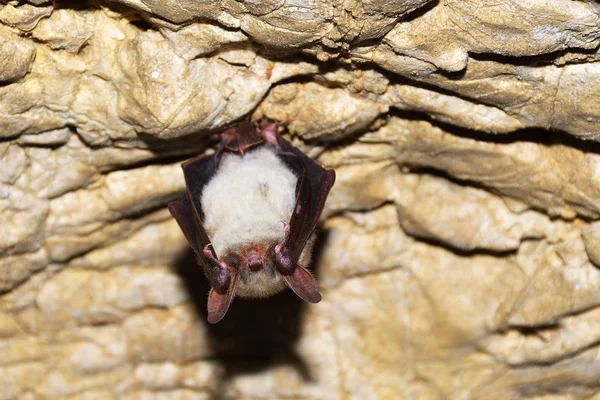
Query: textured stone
x,y
22,218
23,16
16,53
65,30
15,269
50,138
462,27
196,40
337,114
563,184
66,297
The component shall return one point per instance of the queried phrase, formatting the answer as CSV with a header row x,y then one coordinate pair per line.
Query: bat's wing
x,y
187,211
314,183
181,210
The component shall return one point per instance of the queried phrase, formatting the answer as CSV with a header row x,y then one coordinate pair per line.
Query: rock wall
x,y
460,251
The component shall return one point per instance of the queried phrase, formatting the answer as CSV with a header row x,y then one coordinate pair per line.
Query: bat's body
x,y
249,215
246,204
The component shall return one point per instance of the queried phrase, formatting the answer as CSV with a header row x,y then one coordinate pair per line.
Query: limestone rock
x,y
459,251
17,56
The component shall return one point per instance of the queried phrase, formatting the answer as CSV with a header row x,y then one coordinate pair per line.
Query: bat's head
x,y
257,270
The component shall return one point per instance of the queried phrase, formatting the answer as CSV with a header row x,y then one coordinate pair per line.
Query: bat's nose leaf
x,y
303,284
255,259
219,301
255,263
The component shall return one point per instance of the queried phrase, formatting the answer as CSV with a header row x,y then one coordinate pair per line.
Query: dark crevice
x,y
554,324
438,173
75,5
429,240
557,359
421,169
139,214
10,139
531,330
136,17
142,24
165,23
399,79
419,12
468,253
51,146
157,160
198,140
540,136
539,60
574,313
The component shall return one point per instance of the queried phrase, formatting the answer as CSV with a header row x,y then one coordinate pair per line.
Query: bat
x,y
249,214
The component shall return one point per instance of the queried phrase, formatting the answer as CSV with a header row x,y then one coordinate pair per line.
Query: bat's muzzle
x,y
255,261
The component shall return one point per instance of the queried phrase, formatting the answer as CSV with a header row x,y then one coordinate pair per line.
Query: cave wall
x,y
460,245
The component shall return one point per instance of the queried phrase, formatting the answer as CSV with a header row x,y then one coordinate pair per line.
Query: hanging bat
x,y
249,213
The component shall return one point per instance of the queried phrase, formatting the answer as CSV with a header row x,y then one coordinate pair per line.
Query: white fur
x,y
259,284
248,200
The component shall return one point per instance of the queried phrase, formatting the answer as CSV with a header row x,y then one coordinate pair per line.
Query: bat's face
x,y
249,214
258,274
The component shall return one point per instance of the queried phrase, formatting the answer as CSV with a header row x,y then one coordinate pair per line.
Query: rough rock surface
x,y
460,253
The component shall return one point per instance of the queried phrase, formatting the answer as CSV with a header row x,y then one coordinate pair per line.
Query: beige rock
x,y
196,39
22,217
16,54
50,138
19,379
560,184
156,243
197,376
78,239
168,395
8,325
557,271
549,344
544,96
536,96
451,109
294,24
114,294
23,16
467,218
158,335
591,235
16,269
65,30
336,115
482,26
459,252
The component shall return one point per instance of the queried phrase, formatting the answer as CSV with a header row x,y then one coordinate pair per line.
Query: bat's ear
x,y
303,284
220,300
